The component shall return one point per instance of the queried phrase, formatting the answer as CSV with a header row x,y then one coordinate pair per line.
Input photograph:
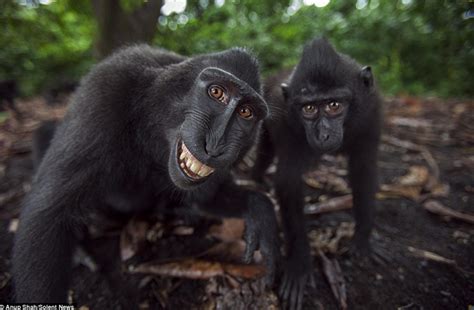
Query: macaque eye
x,y
333,107
309,110
217,93
245,112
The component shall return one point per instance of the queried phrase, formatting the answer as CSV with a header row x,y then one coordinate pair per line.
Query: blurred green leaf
x,y
418,46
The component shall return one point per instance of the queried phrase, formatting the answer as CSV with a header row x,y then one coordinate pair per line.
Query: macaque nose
x,y
213,151
323,137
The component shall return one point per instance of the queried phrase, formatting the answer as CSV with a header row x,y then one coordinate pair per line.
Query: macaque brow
x,y
337,94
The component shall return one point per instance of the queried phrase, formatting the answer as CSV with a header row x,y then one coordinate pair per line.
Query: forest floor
x,y
424,221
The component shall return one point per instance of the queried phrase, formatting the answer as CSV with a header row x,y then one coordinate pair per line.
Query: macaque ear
x,y
367,76
284,90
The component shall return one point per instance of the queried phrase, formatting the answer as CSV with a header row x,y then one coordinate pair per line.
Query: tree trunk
x,y
117,27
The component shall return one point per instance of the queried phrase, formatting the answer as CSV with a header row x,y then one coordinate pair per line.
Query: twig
x,y
199,269
333,274
330,205
431,256
438,208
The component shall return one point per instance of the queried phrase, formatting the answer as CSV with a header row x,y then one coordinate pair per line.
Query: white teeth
x,y
187,160
195,166
205,171
200,172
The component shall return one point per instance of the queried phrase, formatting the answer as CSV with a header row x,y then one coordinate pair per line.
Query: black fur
x,y
321,77
120,139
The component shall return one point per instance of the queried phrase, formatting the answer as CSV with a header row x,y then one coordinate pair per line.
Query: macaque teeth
x,y
195,166
185,150
205,171
189,163
200,172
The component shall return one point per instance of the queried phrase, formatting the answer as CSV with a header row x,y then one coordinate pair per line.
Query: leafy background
x,y
421,47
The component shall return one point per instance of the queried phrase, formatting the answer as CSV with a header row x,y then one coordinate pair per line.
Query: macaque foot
x,y
297,274
366,252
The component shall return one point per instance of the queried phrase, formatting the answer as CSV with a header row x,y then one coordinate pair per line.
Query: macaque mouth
x,y
190,165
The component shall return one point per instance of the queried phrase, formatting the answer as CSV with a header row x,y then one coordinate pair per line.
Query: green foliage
x,y
130,5
44,44
420,47
417,46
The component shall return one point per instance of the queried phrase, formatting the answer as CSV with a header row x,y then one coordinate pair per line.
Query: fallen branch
x,y
333,274
431,256
200,269
438,208
330,205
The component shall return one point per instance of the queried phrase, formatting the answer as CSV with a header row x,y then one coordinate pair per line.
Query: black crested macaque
x,y
328,103
146,123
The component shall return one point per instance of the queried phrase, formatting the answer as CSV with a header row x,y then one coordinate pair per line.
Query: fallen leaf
x,y
183,230
416,176
409,185
244,271
230,229
327,239
457,234
326,179
131,238
440,190
396,191
239,295
155,232
424,151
